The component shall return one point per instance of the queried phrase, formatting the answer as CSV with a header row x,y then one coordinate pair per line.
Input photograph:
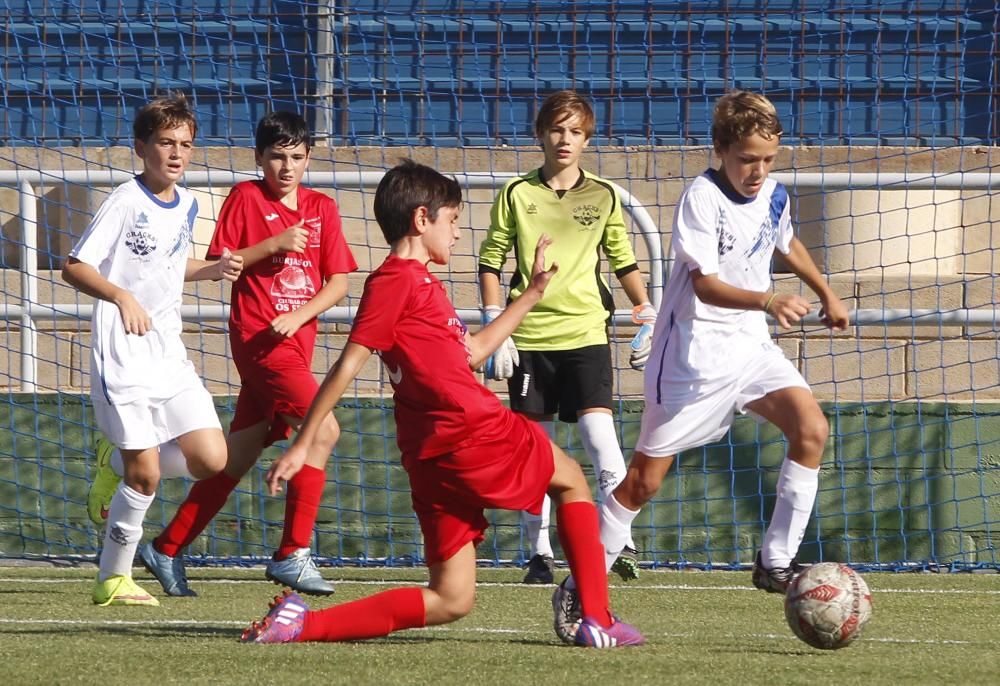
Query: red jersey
x,y
406,317
286,281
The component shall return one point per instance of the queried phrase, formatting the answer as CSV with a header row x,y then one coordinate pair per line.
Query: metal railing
x,y
30,309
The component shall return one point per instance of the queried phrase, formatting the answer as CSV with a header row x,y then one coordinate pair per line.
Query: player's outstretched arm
x,y
833,313
88,280
347,366
228,267
490,337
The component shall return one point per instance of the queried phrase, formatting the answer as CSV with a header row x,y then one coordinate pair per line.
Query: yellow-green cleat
x,y
121,590
105,483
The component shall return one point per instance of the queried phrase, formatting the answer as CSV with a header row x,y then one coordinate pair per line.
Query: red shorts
x,y
512,471
275,385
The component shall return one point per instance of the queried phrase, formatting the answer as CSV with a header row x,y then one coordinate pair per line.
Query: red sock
x,y
204,501
305,491
580,536
371,617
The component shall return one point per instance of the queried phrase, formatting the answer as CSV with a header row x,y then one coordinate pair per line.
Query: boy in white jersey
x,y
559,358
148,400
712,353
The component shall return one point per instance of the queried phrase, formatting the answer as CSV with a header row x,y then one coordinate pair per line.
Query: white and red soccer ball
x,y
828,605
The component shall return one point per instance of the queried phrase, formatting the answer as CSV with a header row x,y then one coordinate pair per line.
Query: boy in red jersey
x,y
462,449
296,263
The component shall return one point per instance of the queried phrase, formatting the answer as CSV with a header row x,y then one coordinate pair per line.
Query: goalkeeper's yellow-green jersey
x,y
582,222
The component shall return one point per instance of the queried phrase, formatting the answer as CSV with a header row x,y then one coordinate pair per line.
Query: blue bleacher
x,y
451,73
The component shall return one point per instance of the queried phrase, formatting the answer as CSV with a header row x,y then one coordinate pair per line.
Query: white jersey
x,y
141,244
698,348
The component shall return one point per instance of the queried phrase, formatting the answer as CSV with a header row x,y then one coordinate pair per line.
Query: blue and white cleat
x,y
169,571
299,572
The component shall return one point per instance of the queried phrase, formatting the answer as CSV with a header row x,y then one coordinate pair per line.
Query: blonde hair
x,y
739,115
562,105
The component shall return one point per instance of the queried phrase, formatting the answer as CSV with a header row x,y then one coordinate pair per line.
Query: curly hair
x,y
739,115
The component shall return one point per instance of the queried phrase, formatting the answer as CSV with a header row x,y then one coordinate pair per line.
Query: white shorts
x,y
667,430
150,422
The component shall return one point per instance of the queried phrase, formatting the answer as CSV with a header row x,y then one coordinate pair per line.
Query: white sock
x,y
797,486
173,464
124,531
600,441
536,527
616,528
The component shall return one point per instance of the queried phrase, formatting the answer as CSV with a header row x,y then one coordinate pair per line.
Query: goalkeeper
x,y
559,359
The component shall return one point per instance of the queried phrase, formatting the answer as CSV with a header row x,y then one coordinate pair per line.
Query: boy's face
x,y
563,142
747,163
165,156
283,167
441,234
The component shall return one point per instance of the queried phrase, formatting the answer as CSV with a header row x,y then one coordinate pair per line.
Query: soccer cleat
x,y
540,569
618,635
105,483
299,571
566,610
627,564
773,580
169,571
283,622
121,590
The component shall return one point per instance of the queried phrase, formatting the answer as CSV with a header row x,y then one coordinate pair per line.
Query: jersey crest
x,y
587,215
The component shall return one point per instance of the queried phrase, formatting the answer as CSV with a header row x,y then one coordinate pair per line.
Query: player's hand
x,y
284,468
789,309
834,315
500,365
134,316
294,238
287,324
540,276
645,316
230,266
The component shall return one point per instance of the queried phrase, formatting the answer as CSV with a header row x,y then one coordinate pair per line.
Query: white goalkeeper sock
x,y
124,531
797,486
600,441
173,464
536,527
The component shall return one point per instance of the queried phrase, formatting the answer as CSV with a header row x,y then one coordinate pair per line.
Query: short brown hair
x,y
406,187
739,115
562,105
167,112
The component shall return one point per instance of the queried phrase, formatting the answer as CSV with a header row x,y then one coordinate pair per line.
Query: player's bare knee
x,y
458,606
810,435
207,465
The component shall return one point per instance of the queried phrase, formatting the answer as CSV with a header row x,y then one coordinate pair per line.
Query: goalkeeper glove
x,y
645,316
500,365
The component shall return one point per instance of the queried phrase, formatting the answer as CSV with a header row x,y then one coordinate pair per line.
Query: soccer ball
x,y
828,605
